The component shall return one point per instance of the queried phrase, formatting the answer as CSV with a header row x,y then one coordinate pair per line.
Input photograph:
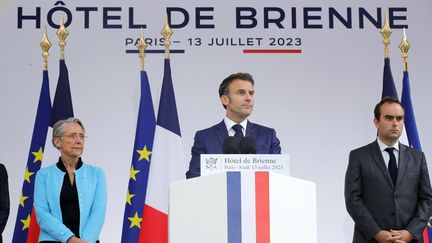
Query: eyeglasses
x,y
74,136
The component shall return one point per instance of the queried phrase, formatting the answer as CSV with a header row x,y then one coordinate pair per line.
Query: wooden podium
x,y
243,207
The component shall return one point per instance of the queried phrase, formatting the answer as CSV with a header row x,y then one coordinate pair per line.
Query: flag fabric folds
x,y
410,123
139,170
166,165
389,87
62,104
26,228
411,131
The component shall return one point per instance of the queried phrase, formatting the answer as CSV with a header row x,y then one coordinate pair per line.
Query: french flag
x,y
243,207
166,165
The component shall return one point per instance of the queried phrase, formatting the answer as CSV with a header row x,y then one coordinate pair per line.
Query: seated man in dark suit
x,y
236,93
387,188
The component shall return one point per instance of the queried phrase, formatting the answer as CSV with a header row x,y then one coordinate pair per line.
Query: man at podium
x,y
387,187
236,94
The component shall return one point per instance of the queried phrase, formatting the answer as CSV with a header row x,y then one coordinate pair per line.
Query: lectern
x,y
243,207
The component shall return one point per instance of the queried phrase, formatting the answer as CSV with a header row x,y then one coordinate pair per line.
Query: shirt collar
x,y
229,123
383,146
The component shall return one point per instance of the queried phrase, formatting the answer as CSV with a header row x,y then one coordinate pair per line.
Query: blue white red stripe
x,y
262,202
234,207
251,213
248,209
243,207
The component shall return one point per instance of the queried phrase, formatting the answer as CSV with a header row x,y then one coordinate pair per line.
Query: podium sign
x,y
243,207
216,163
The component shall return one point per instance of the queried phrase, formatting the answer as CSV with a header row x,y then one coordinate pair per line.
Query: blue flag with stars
x,y
26,228
139,170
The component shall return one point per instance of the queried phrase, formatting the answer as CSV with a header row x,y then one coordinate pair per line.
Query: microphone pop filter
x,y
247,146
231,145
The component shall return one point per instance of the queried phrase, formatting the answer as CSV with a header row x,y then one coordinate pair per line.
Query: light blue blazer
x,y
92,196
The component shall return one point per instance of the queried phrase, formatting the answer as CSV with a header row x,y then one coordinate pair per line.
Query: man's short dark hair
x,y
223,87
387,99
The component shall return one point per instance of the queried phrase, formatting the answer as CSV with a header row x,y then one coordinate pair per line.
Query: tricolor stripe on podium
x,y
252,213
243,207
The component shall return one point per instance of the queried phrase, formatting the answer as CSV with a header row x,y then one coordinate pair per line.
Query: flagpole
x,y
45,44
410,122
167,33
404,47
386,31
389,87
62,104
142,46
62,34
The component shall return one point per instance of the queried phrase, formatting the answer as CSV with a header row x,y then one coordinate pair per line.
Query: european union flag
x,y
139,170
26,228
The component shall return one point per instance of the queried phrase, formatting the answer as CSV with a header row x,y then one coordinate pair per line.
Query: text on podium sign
x,y
216,163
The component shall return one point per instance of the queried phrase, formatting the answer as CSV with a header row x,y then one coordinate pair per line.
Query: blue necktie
x,y
238,131
392,166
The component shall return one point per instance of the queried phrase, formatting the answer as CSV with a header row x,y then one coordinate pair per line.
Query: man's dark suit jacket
x,y
375,204
4,199
210,141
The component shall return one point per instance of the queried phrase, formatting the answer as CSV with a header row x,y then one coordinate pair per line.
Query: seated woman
x,y
70,196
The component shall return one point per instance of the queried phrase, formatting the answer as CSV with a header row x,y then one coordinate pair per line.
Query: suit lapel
x,y
221,132
251,130
377,156
403,161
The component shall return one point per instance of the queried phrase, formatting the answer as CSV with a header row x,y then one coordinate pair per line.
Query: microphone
x,y
231,145
247,146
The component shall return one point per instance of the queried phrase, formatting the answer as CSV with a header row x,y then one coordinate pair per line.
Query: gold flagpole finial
x,y
141,47
167,33
404,46
45,44
386,31
62,33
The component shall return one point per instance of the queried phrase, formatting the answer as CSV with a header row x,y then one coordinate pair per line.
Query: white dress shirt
x,y
385,154
230,123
